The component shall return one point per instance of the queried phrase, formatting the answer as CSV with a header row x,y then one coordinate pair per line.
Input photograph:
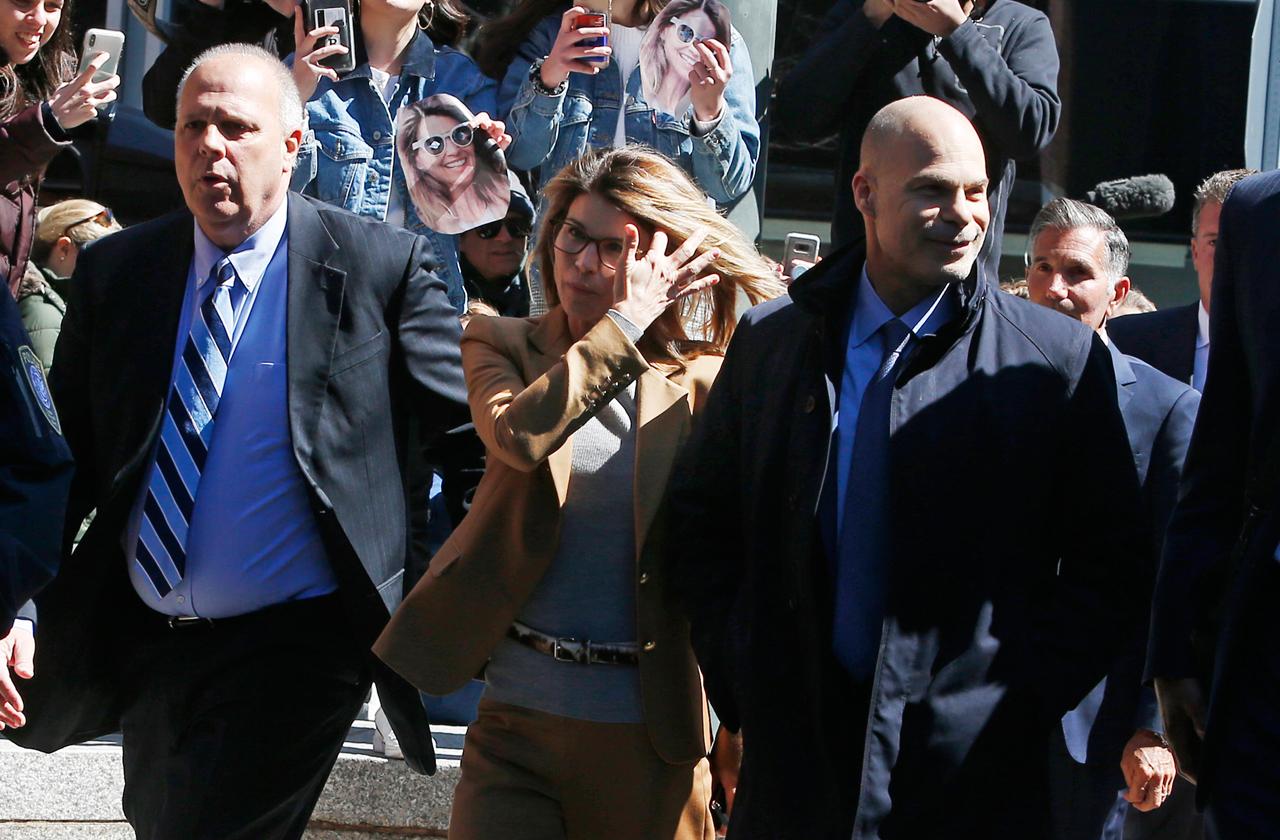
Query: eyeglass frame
x,y
587,242
693,33
421,145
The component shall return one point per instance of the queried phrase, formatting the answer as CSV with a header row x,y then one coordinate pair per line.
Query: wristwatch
x,y
535,76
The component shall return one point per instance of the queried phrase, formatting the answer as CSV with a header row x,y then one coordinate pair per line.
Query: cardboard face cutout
x,y
669,50
456,174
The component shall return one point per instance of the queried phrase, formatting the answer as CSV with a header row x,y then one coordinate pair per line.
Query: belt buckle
x,y
563,654
179,622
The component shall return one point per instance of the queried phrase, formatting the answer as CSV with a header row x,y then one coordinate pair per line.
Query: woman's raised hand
x,y
644,286
567,55
77,101
307,69
495,129
708,79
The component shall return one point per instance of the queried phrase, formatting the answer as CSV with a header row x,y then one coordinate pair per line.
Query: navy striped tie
x,y
186,432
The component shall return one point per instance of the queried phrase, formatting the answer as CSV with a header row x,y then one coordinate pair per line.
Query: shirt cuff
x,y
630,330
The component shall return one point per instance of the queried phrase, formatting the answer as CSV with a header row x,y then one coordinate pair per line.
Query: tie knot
x,y
894,332
224,272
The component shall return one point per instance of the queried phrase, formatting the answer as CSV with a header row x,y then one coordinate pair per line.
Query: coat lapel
x,y
161,285
315,292
550,339
663,420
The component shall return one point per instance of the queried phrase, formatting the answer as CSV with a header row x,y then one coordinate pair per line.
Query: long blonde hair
x,y
658,194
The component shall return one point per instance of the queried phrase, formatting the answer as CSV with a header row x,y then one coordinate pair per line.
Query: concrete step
x,y
75,793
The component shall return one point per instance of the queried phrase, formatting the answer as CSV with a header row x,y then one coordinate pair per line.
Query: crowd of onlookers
x,y
620,577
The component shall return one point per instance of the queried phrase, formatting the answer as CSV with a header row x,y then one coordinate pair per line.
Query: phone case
x,y
334,13
593,20
106,41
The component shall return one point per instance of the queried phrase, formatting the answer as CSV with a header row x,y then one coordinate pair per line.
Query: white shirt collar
x,y
250,257
1202,326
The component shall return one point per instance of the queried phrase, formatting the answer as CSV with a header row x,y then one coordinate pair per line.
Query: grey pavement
x,y
74,794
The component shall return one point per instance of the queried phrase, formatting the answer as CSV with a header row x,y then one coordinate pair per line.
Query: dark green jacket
x,y
42,308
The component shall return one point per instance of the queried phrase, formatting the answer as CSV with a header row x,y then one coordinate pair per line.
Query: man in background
x,y
1175,340
1110,747
492,256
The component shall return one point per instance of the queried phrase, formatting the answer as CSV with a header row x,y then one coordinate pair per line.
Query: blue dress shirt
x,y
864,355
253,540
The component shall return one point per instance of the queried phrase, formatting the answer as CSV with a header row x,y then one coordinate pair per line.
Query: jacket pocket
x,y
575,126
358,354
341,166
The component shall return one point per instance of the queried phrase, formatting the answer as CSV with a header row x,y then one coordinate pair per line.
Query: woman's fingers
x,y
690,246
622,275
321,54
567,19
694,287
721,53
693,268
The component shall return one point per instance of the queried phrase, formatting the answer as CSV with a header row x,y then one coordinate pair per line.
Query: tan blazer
x,y
530,387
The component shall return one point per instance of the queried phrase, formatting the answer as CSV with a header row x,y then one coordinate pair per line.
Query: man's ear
x,y
1119,294
864,195
293,142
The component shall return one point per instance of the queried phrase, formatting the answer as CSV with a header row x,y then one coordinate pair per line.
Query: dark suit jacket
x,y
1158,415
371,337
998,621
1164,339
1238,422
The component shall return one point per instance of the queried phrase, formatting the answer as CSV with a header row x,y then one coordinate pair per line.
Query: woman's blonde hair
x,y
658,194
80,220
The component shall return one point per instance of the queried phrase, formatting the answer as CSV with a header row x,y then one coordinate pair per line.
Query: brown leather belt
x,y
582,651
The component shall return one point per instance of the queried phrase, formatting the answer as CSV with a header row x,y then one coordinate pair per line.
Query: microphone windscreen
x,y
1140,197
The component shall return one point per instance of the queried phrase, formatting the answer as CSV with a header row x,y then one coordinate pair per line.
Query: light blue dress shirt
x,y
865,353
253,540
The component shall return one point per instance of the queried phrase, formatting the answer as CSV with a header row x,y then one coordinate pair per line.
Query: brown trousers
x,y
528,775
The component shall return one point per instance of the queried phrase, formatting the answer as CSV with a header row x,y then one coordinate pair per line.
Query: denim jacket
x,y
348,155
548,132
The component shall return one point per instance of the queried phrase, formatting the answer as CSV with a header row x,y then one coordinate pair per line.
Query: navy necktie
x,y
863,541
186,432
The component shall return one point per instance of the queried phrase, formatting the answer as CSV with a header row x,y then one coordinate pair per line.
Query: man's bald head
x,y
922,192
917,123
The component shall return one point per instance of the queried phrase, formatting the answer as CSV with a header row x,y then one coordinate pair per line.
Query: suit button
x,y
810,404
649,646
644,578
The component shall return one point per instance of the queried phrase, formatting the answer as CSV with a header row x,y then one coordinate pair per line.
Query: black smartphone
x,y
334,13
593,20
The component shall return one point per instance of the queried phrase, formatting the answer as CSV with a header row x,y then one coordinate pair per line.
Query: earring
x,y
426,14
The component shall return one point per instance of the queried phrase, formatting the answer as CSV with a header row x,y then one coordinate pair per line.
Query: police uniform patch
x,y
39,386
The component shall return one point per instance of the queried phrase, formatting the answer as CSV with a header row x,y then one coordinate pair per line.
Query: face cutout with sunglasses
x,y
669,51
455,173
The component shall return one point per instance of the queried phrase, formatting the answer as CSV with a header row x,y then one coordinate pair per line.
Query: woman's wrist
x,y
545,82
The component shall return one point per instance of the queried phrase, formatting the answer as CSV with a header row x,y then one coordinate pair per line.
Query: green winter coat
x,y
42,309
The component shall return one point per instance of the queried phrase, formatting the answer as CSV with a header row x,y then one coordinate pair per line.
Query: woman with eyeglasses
x,y
62,230
561,97
593,722
349,157
41,99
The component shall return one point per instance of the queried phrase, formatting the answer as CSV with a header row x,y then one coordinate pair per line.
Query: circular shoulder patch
x,y
39,386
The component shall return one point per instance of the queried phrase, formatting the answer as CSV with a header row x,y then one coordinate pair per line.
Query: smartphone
x,y
334,13
801,247
593,20
107,41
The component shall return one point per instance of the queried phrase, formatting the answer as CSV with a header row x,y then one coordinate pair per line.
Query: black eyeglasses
x,y
572,239
460,137
685,32
517,228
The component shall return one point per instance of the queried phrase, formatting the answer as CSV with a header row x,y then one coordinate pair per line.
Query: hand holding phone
x,y
314,48
799,252
94,86
571,52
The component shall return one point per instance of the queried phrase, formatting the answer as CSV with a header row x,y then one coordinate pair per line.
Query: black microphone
x,y
1139,197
